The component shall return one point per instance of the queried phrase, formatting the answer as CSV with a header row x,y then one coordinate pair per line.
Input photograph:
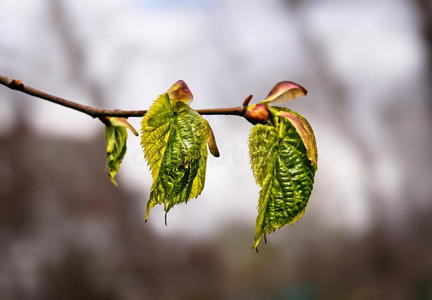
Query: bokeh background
x,y
67,233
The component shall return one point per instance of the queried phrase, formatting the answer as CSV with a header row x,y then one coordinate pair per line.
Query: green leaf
x,y
116,138
305,132
174,139
283,169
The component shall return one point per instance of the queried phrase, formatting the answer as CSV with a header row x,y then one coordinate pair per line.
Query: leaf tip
x,y
121,122
150,204
113,181
256,243
305,132
211,143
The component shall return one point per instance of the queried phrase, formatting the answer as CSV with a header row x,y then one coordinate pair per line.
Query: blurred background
x,y
67,233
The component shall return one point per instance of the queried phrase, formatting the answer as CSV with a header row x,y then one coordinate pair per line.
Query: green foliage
x,y
282,148
284,161
116,138
174,138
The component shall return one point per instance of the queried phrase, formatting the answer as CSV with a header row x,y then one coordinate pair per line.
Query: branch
x,y
95,112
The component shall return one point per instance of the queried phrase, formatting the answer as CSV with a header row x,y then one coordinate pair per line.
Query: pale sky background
x,y
226,50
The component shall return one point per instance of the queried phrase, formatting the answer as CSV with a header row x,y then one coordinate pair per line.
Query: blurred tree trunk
x,y
424,12
75,51
340,110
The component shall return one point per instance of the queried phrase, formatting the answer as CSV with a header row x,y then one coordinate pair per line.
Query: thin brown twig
x,y
95,112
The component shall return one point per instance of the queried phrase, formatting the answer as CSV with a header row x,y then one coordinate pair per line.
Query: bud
x,y
257,113
179,91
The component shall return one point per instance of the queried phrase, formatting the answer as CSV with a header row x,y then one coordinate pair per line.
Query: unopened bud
x,y
257,113
179,91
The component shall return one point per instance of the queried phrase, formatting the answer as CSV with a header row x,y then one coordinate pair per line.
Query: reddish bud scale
x,y
179,91
285,91
257,113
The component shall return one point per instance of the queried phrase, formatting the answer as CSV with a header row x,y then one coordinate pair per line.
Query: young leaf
x,y
174,139
116,137
211,143
305,132
284,91
283,161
